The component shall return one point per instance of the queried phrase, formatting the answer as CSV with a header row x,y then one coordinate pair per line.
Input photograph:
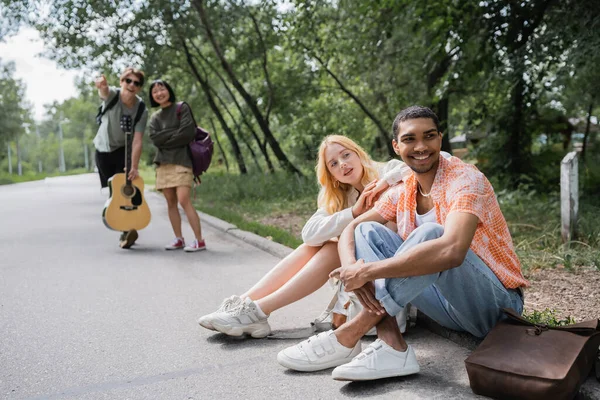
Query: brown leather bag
x,y
522,360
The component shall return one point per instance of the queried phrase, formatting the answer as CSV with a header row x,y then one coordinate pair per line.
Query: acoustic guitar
x,y
126,208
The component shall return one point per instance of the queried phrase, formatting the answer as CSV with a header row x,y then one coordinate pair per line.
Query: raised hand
x,y
101,82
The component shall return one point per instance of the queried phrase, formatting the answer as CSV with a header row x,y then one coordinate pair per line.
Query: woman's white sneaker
x,y
195,246
178,243
378,361
205,321
247,317
318,352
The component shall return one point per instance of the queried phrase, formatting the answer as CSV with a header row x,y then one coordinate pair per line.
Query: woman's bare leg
x,y
171,196
282,272
184,198
311,277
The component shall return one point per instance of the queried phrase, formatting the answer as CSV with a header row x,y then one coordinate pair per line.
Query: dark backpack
x,y
102,111
201,148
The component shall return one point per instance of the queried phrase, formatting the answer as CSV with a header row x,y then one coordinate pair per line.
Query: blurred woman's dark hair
x,y
166,86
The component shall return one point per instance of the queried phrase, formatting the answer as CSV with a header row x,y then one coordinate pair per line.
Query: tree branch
x,y
369,114
264,65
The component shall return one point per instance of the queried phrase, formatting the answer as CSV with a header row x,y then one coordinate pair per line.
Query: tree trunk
x,y
263,49
283,160
206,88
19,165
261,145
441,109
521,27
9,159
249,146
239,131
587,129
214,128
516,146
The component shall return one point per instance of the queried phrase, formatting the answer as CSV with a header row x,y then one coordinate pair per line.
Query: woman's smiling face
x,y
160,94
343,164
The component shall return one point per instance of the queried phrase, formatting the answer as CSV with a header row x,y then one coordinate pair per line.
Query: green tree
x,y
14,111
275,77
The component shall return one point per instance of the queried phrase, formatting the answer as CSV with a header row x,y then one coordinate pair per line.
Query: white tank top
x,y
429,216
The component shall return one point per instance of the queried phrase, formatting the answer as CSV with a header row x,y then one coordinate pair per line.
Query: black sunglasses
x,y
135,83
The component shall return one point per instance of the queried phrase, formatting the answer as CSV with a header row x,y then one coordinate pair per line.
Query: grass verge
x,y
277,205
7,179
251,201
534,223
268,231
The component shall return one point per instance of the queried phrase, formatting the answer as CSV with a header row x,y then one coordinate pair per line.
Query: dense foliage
x,y
271,78
517,79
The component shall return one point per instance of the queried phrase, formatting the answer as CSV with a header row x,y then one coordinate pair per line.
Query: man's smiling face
x,y
131,84
418,143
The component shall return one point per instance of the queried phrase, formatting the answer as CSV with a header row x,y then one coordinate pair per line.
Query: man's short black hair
x,y
167,86
413,112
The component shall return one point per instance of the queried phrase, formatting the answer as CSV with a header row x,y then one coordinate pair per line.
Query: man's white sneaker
x,y
378,361
318,352
205,321
245,318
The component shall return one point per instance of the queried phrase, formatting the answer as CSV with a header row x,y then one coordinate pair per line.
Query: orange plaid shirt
x,y
460,187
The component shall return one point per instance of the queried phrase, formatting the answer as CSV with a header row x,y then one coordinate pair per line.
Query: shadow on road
x,y
236,343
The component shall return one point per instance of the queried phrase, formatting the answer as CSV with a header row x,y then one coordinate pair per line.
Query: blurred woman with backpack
x,y
172,128
349,186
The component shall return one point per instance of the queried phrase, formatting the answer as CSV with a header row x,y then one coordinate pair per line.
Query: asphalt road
x,y
81,318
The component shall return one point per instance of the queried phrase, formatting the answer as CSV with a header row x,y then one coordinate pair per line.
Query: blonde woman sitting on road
x,y
349,186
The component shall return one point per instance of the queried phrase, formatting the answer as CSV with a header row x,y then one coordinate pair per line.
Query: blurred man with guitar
x,y
110,141
126,209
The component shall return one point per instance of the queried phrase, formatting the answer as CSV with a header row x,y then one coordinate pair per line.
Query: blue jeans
x,y
466,298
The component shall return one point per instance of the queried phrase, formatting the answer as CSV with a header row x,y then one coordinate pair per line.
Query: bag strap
x,y
111,104
139,113
586,328
329,308
178,112
335,296
325,314
197,183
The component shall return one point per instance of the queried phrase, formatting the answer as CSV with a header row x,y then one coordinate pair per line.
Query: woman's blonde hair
x,y
333,193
